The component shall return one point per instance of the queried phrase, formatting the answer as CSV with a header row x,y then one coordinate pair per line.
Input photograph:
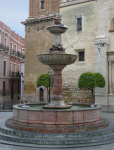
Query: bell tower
x,y
37,41
41,8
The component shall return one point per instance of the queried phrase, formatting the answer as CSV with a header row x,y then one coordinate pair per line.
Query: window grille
x,y
81,56
79,24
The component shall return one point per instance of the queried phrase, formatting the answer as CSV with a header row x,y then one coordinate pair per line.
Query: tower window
x,y
42,5
79,24
81,56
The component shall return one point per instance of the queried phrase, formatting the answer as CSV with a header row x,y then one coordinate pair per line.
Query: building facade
x,y
11,52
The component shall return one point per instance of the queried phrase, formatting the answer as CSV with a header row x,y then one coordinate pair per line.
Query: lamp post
x,y
49,73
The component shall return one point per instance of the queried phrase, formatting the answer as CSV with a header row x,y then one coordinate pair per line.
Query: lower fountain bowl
x,y
56,120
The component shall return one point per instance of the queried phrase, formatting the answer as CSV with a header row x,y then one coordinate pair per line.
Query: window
x,y
11,45
14,67
4,69
4,92
42,5
18,68
81,56
18,48
5,42
11,66
79,24
15,47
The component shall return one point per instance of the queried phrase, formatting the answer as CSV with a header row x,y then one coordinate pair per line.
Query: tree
x,y
43,80
90,81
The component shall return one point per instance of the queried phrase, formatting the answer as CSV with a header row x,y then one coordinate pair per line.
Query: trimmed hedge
x,y
43,80
91,80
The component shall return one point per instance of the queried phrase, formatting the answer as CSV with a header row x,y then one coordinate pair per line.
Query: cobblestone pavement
x,y
6,115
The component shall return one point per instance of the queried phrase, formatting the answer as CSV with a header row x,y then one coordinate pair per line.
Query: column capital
x,y
102,39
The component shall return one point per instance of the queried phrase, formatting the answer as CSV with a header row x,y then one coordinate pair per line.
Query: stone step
x,y
29,134
48,147
51,141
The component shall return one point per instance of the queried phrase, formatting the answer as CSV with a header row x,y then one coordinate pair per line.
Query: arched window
x,y
41,95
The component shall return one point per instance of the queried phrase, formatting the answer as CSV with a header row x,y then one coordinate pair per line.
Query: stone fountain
x,y
57,59
56,116
56,124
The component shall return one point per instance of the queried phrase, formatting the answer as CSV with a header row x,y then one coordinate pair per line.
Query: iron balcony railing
x,y
17,54
23,56
1,46
11,51
15,74
5,49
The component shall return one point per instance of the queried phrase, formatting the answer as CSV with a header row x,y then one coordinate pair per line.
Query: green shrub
x,y
90,81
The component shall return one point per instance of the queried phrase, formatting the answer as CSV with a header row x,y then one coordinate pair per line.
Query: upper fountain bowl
x,y
57,59
57,29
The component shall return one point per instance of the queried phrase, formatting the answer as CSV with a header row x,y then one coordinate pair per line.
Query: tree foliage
x,y
43,80
91,80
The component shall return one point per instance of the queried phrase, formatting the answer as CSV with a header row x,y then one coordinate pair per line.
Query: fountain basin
x,y
56,120
57,29
57,59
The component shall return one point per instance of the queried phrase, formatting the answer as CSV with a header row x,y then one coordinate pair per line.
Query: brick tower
x,y
37,40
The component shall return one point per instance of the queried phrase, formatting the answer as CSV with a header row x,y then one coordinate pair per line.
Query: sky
x,y
13,12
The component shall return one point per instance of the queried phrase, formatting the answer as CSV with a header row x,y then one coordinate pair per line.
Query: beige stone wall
x,y
88,11
37,40
72,72
76,41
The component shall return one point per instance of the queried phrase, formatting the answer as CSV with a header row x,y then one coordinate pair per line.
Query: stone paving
x,y
6,115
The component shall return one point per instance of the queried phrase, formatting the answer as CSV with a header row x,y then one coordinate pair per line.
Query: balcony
x,y
14,74
5,49
23,56
17,54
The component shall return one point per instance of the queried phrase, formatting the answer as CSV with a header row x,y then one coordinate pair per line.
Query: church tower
x,y
37,41
43,8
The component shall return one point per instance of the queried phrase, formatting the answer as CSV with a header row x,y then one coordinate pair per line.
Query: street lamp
x,y
49,73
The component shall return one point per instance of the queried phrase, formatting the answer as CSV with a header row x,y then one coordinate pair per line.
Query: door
x,y
4,92
41,95
18,88
12,89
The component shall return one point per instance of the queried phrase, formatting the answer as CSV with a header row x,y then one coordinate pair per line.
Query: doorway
x,y
41,95
12,89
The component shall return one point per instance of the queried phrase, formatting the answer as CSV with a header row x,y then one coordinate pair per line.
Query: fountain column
x,y
57,97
